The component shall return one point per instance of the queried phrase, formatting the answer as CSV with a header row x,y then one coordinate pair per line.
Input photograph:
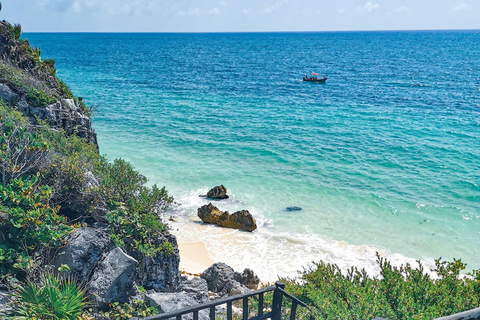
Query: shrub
x,y
54,299
129,310
32,224
21,152
400,293
39,98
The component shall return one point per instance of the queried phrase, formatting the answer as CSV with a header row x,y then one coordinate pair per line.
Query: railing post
x,y
277,301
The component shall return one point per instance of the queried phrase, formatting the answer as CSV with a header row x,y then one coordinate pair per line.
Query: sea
x,y
384,157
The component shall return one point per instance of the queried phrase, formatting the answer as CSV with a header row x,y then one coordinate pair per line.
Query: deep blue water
x,y
384,156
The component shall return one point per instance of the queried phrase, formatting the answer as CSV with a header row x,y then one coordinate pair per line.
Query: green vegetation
x,y
52,299
129,310
400,293
38,98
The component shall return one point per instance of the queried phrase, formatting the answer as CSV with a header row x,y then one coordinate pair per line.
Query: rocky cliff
x,y
29,84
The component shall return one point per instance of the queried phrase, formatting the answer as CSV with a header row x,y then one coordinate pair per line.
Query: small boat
x,y
314,78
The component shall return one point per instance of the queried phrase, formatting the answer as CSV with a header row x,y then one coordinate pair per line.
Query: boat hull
x,y
315,80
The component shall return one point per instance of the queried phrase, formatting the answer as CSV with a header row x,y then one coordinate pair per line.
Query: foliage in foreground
x,y
49,181
129,310
400,293
53,299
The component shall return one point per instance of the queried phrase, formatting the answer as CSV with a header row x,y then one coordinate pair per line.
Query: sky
x,y
239,15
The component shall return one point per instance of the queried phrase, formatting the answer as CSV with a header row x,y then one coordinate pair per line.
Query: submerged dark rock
x,y
293,208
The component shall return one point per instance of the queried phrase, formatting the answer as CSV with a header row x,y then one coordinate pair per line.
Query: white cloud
x,y
214,12
341,11
462,6
198,12
247,11
369,7
403,9
275,6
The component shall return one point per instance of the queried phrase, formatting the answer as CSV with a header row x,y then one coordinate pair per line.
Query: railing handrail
x,y
208,305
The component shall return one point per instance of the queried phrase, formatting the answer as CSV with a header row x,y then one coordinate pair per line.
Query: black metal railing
x,y
274,314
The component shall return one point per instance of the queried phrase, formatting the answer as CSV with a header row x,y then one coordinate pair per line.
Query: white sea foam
x,y
269,253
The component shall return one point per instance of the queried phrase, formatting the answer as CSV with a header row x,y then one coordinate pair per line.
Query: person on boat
x,y
324,77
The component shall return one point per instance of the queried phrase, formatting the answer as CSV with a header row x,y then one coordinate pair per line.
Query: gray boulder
x,y
113,279
196,288
168,302
223,280
218,192
248,278
160,272
83,250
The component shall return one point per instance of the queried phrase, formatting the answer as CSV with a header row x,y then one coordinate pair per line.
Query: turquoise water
x,y
383,157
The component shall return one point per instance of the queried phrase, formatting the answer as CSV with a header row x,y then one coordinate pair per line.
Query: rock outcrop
x,y
84,248
238,220
209,213
168,302
196,288
160,272
218,192
223,280
64,114
30,85
113,279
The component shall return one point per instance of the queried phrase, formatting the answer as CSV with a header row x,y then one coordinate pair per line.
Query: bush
x,y
400,293
53,299
21,152
32,226
39,98
129,310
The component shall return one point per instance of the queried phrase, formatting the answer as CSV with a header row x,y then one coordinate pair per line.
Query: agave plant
x,y
55,298
16,31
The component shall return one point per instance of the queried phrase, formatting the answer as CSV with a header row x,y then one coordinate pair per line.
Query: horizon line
x,y
236,32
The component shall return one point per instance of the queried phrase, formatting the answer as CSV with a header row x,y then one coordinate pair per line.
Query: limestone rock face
x,y
113,279
83,250
209,213
160,272
218,192
223,280
175,301
63,114
238,220
196,288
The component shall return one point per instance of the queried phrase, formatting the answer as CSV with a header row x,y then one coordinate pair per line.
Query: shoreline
x,y
194,258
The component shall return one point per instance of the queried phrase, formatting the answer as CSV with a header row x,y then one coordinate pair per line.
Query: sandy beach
x,y
194,258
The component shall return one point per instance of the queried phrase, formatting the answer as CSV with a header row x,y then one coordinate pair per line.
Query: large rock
x,y
113,279
83,250
248,278
223,280
209,213
238,220
218,192
196,288
160,272
168,302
